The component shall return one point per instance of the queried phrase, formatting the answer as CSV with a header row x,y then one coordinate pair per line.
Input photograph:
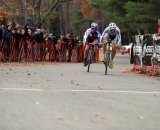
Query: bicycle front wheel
x,y
88,67
107,59
106,69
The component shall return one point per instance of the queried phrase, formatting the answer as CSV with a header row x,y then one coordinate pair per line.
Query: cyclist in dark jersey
x,y
91,35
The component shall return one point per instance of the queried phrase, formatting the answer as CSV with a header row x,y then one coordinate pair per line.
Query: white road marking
x,y
111,91
73,90
21,89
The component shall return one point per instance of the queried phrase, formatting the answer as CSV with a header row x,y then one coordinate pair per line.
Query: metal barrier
x,y
30,51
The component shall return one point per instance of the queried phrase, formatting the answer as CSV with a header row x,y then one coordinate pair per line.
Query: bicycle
x,y
107,56
90,57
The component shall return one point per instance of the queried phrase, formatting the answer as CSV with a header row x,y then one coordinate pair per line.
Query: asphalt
x,y
64,96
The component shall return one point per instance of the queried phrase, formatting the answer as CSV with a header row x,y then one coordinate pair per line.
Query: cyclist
x,y
112,32
91,35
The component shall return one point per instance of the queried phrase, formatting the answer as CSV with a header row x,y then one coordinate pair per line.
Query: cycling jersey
x,y
107,34
116,38
107,31
90,36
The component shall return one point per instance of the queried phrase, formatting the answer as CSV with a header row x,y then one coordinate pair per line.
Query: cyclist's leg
x,y
95,50
113,52
114,47
104,41
104,46
86,54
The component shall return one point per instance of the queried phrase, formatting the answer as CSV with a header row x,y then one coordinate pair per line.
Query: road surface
x,y
61,96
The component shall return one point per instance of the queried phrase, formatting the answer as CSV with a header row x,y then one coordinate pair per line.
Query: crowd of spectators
x,y
24,44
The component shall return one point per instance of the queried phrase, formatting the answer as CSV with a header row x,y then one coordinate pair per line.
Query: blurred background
x,y
74,16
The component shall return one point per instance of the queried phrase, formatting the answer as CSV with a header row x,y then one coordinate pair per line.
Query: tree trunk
x,y
37,13
49,22
61,19
54,6
67,20
26,13
22,19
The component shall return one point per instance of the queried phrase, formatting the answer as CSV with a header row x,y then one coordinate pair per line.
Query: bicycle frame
x,y
90,55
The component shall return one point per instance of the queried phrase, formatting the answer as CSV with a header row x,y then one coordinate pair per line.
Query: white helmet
x,y
112,26
94,25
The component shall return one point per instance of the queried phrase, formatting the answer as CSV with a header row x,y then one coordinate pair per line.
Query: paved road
x,y
65,97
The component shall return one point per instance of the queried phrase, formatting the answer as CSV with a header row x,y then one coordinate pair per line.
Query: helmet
x,y
94,25
112,26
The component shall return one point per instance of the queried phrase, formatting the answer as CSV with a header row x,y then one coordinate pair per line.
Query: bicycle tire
x,y
107,60
107,63
88,67
106,69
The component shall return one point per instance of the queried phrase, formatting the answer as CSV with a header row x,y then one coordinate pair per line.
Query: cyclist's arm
x,y
86,36
105,31
119,41
118,30
119,37
99,38
104,38
103,34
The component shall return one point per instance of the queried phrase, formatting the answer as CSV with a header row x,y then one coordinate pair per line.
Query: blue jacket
x,y
7,35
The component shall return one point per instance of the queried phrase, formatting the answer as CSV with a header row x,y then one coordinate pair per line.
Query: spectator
x,y
7,39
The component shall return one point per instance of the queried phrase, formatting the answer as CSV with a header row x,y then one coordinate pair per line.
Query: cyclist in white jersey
x,y
112,32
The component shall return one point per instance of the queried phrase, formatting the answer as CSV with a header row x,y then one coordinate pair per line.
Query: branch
x,y
54,6
4,3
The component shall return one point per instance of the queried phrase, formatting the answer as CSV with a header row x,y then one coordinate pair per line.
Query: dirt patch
x,y
149,71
